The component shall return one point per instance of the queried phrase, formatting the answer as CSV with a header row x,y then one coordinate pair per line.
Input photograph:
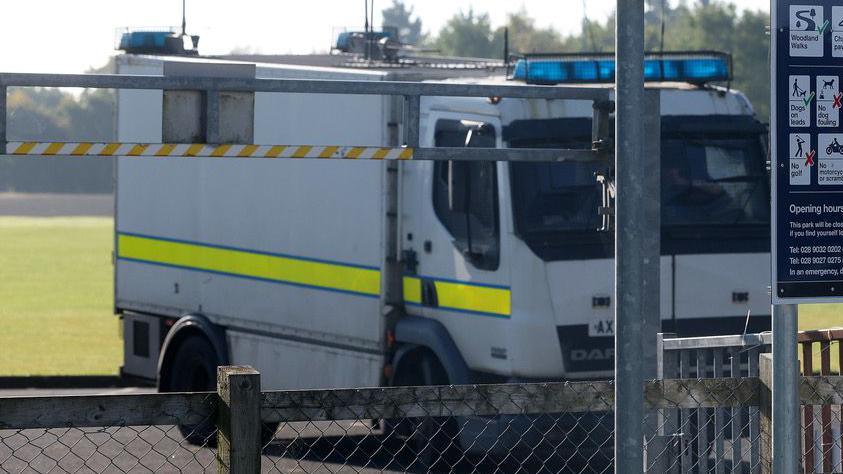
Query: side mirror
x,y
458,186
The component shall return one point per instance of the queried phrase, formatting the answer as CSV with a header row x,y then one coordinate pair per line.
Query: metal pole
x,y
3,91
413,104
630,245
786,423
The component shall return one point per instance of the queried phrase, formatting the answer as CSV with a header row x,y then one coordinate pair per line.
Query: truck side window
x,y
465,194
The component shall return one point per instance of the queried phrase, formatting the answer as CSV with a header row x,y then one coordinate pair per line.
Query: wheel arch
x,y
413,333
187,326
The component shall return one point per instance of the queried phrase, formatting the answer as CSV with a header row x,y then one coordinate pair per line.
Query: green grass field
x,y
56,293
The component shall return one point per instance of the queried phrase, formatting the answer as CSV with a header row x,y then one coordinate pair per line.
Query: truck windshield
x,y
705,182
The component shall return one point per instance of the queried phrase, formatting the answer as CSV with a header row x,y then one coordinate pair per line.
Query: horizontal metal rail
x,y
715,342
198,150
301,86
411,91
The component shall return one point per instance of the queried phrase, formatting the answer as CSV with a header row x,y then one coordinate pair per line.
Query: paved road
x,y
53,205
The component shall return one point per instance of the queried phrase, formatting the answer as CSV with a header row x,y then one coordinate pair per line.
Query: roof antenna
x,y
183,18
366,15
588,27
664,14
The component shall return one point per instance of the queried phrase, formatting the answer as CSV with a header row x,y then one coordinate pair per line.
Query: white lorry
x,y
278,264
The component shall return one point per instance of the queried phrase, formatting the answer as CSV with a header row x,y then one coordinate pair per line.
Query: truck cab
x,y
510,257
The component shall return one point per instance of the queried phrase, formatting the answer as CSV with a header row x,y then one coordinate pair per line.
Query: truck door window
x,y
713,185
713,182
465,194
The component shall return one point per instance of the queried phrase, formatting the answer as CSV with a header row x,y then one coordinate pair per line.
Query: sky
x,y
72,36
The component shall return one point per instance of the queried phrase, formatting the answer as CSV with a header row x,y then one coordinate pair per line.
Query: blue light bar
x,y
144,39
697,68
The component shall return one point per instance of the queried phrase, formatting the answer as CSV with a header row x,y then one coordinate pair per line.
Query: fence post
x,y
3,92
633,234
765,439
239,420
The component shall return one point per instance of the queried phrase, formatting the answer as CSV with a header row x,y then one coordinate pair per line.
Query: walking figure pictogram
x,y
798,91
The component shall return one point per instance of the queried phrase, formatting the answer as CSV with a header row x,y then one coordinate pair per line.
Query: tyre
x,y
433,441
194,369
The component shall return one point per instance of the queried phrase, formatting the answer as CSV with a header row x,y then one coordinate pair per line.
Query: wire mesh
x,y
821,441
698,425
694,425
715,430
188,447
442,429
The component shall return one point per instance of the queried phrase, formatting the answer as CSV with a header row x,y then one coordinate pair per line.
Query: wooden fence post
x,y
765,371
239,423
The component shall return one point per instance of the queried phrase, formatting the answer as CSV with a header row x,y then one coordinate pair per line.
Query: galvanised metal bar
x,y
311,86
715,342
280,152
413,105
212,116
3,92
631,232
508,154
786,424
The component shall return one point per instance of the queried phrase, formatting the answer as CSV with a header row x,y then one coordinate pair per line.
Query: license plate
x,y
601,327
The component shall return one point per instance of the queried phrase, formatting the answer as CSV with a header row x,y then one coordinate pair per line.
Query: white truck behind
x,y
278,263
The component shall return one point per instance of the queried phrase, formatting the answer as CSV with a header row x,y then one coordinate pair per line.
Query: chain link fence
x,y
709,414
822,438
131,433
549,427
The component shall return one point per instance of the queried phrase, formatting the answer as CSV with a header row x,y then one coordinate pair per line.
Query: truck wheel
x,y
194,369
434,441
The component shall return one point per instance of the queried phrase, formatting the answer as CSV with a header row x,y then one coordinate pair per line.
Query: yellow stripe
x,y
462,296
137,150
220,151
412,290
24,148
247,151
275,151
328,151
109,149
249,264
165,150
355,152
469,297
406,154
381,153
302,151
53,148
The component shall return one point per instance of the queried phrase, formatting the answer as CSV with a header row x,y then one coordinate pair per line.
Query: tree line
x,y
51,114
702,25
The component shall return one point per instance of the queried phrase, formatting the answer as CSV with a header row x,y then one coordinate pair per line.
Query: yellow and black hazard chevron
x,y
190,150
361,280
